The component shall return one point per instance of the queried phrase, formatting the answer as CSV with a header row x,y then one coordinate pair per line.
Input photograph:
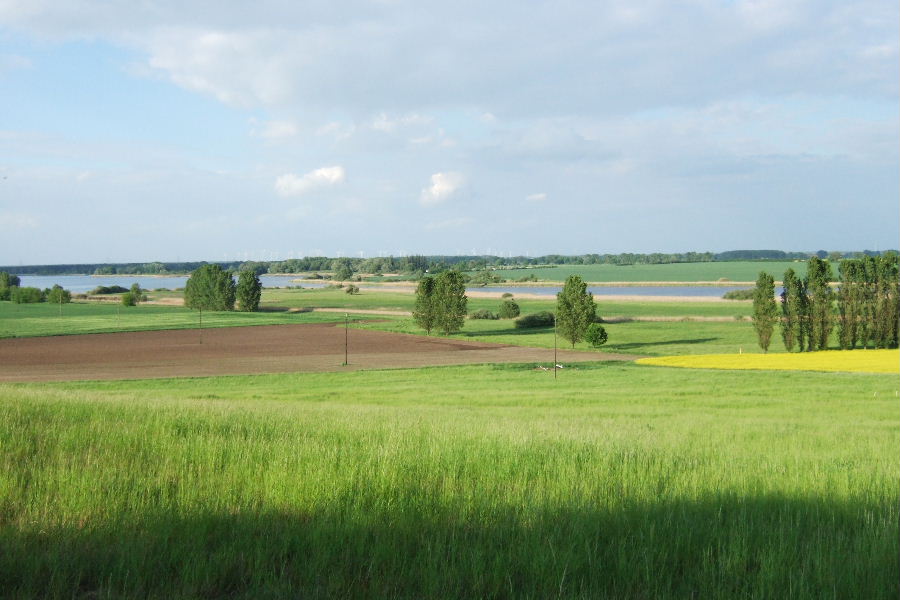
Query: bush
x,y
484,278
26,295
506,295
128,299
352,289
527,278
101,290
539,319
58,295
739,294
483,314
509,309
596,335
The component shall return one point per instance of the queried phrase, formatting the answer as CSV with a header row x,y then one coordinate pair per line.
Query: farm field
x,y
852,361
681,272
615,480
27,320
239,350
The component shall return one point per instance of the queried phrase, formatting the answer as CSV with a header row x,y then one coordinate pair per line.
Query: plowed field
x,y
246,350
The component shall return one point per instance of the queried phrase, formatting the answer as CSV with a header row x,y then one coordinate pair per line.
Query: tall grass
x,y
614,481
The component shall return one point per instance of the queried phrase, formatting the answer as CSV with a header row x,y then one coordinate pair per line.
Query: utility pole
x,y
346,336
201,324
554,347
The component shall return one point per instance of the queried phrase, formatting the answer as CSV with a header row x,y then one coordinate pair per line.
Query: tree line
x,y
420,264
865,309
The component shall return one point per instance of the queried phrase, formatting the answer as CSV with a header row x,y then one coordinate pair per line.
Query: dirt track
x,y
246,350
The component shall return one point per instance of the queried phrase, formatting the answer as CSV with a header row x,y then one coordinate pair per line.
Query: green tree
x,y
450,302
249,290
128,299
7,282
765,311
58,295
342,269
210,288
596,335
509,309
137,293
849,303
575,309
26,295
424,310
821,298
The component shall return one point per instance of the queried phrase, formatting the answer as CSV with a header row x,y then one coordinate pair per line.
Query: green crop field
x,y
28,320
704,271
615,480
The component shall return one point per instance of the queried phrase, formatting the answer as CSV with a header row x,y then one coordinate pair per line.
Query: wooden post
x,y
346,336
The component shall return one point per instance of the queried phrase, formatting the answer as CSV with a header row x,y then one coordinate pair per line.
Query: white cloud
x,y
273,130
443,186
539,197
290,184
11,62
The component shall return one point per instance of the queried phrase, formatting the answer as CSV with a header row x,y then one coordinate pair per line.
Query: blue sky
x,y
199,130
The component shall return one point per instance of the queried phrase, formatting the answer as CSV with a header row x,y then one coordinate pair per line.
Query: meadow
x,y
681,272
616,480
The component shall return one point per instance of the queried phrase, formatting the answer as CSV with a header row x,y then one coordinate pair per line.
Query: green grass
x,y
615,481
28,320
640,338
710,271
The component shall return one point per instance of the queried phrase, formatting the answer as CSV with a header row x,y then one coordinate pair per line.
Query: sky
x,y
205,130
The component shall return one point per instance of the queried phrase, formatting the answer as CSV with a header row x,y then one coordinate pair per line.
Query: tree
x,y
848,304
128,299
765,312
791,311
575,309
58,295
7,282
249,291
210,288
342,269
423,312
450,302
596,335
509,309
821,317
26,295
137,293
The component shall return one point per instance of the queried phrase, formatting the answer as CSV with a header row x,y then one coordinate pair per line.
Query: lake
x,y
80,284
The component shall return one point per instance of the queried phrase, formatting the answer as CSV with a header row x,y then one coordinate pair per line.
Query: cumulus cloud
x,y
291,184
443,186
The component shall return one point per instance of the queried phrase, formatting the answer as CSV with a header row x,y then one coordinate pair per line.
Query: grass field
x,y
851,361
27,320
617,481
706,271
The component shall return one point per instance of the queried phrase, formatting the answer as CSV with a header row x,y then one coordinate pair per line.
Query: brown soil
x,y
246,350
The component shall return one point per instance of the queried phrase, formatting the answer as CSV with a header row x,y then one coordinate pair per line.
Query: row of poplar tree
x,y
865,308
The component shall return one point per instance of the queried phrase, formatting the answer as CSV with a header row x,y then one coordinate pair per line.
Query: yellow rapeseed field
x,y
855,361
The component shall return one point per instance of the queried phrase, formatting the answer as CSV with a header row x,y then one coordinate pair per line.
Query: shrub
x,y
102,290
506,295
58,295
527,278
596,335
739,294
539,319
484,278
26,295
509,309
483,314
128,299
352,289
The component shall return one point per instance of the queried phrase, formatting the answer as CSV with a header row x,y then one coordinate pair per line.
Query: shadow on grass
x,y
630,345
723,547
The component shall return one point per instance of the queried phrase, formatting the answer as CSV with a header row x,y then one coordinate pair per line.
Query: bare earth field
x,y
247,350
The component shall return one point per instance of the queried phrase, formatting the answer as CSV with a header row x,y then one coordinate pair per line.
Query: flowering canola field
x,y
854,361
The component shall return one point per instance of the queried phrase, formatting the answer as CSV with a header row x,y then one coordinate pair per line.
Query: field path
x,y
248,350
